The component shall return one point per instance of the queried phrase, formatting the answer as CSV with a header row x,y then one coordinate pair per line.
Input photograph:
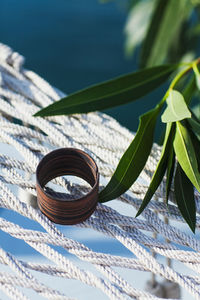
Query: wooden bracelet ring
x,y
60,162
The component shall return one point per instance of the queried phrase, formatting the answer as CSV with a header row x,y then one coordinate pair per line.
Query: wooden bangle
x,y
67,161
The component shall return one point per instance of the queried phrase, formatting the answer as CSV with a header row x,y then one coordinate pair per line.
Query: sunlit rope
x,y
22,93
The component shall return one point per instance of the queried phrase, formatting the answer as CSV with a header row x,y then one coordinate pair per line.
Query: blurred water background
x,y
73,44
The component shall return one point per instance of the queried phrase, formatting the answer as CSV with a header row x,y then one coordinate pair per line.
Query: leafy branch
x,y
166,31
180,139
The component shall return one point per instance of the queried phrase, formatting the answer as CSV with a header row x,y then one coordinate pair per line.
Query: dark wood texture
x,y
60,162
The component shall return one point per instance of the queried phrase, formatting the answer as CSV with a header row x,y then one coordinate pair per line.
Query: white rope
x,y
22,93
26,279
12,292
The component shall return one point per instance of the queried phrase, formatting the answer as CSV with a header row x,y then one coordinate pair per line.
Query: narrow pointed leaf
x,y
152,33
177,109
170,172
194,123
134,159
165,24
196,143
185,154
189,90
184,193
197,75
160,169
111,93
138,17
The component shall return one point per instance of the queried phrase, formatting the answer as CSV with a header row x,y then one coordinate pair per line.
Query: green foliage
x,y
134,159
139,18
197,75
170,171
177,109
165,25
111,93
184,192
164,33
195,125
161,167
165,30
185,154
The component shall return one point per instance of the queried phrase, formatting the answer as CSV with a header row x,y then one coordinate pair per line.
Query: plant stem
x,y
183,72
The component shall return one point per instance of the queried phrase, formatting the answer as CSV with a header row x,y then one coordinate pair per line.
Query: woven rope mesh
x,y
158,242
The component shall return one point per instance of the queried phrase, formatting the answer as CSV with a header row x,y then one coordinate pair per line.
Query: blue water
x,y
73,44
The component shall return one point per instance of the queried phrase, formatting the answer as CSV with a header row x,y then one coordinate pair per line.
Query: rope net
x,y
153,244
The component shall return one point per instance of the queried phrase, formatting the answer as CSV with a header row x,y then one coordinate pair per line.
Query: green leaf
x,y
147,47
137,24
134,159
166,22
160,169
195,125
197,75
184,194
195,142
185,154
177,109
170,172
189,90
110,93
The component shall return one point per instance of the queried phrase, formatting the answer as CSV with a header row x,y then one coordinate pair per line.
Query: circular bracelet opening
x,y
67,187
60,162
